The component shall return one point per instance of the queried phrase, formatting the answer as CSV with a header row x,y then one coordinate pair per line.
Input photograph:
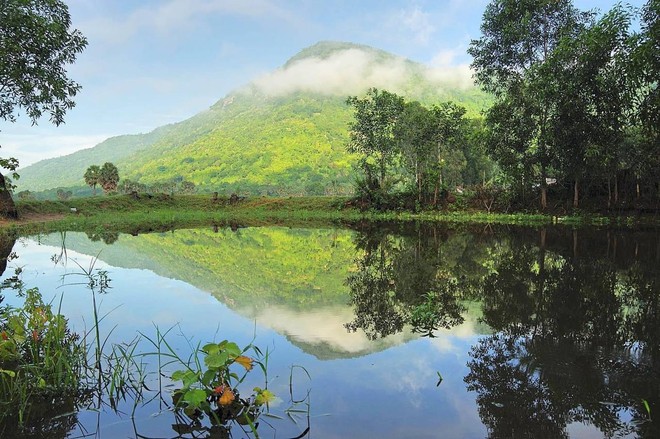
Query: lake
x,y
380,330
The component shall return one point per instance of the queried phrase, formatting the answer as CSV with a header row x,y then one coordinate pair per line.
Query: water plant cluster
x,y
44,366
41,361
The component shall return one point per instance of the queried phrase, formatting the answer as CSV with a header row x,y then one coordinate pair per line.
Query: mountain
x,y
283,133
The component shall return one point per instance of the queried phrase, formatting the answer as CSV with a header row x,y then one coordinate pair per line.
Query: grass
x,y
43,363
124,213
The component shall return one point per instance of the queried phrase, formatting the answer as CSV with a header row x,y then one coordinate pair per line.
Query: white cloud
x,y
458,76
346,72
445,68
176,16
352,71
418,22
323,326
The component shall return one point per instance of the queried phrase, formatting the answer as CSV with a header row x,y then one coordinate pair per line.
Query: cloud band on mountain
x,y
352,71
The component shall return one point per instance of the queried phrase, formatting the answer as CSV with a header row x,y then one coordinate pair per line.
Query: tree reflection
x,y
576,316
406,278
577,341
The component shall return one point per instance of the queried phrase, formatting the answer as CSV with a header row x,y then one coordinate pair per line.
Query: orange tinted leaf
x,y
227,397
244,361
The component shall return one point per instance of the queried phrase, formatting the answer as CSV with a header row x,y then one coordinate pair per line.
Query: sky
x,y
153,62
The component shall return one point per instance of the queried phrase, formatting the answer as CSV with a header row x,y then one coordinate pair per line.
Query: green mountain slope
x,y
284,133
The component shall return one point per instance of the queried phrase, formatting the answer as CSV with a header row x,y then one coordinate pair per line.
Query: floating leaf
x,y
646,406
244,361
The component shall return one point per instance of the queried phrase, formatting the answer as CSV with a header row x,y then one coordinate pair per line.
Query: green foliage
x,y
108,177
39,356
372,131
36,44
263,145
25,195
212,389
92,176
63,195
409,154
572,94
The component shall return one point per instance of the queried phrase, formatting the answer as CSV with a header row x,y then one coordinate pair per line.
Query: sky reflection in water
x,y
359,387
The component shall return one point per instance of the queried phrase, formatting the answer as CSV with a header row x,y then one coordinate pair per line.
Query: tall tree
x,y
108,177
450,124
92,175
372,131
587,82
416,134
645,74
36,44
518,37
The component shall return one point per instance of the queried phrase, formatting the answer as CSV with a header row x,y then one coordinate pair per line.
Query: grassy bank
x,y
128,214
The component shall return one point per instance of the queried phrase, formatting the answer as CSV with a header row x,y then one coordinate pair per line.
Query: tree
x,y
449,122
584,80
517,38
372,132
108,177
91,176
63,195
415,133
187,187
645,93
36,43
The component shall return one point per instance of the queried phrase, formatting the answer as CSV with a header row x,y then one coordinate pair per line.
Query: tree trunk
x,y
544,196
576,194
544,189
616,188
7,206
6,246
609,193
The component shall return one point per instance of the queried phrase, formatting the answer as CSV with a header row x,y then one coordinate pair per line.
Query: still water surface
x,y
535,333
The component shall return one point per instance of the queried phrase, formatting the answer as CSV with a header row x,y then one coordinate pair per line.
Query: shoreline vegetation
x,y
144,213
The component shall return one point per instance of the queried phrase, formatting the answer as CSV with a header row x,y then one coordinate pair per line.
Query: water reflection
x,y
553,332
576,342
402,279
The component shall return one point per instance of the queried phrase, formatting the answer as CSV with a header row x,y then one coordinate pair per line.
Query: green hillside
x,y
280,135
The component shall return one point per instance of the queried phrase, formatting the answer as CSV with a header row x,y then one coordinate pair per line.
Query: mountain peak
x,y
325,49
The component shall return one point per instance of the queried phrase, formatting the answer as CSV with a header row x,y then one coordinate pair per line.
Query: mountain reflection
x,y
570,319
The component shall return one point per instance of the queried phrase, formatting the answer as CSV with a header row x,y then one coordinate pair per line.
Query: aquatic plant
x,y
212,390
40,358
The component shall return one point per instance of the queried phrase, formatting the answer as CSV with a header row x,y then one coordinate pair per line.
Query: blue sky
x,y
153,62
